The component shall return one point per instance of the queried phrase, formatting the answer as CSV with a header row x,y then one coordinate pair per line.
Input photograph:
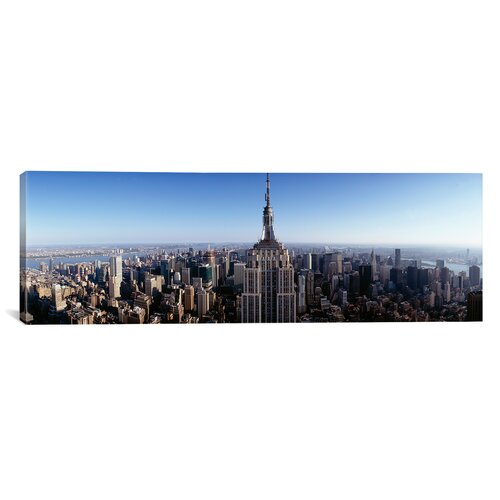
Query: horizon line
x,y
223,242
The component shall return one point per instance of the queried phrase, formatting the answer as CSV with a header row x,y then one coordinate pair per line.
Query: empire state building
x,y
268,287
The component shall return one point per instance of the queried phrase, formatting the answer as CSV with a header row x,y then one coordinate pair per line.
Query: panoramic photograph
x,y
153,248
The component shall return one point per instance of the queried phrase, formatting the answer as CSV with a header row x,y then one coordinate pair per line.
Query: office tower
x,y
210,260
239,271
115,276
102,275
301,295
134,275
150,285
440,263
114,287
226,262
422,278
268,287
474,275
327,260
346,281
116,267
212,297
397,258
475,306
373,262
317,296
343,298
339,259
178,265
165,269
309,277
412,277
223,269
384,274
307,264
316,262
447,292
186,275
332,264
189,298
202,302
58,297
354,283
365,278
177,312
432,300
221,274
438,302
197,283
205,273
331,271
209,257
335,283
445,275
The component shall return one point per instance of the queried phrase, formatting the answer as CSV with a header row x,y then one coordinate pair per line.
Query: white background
x,y
332,411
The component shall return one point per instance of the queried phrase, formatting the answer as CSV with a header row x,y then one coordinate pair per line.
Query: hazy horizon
x,y
122,245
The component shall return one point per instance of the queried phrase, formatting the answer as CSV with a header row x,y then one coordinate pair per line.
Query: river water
x,y
456,268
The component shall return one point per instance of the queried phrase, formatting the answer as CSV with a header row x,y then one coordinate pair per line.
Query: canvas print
x,y
165,248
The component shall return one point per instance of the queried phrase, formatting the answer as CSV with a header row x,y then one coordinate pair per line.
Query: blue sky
x,y
403,209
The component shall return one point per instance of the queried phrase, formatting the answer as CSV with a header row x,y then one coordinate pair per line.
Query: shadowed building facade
x,y
268,286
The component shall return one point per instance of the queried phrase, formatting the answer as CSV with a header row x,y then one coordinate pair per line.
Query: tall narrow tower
x,y
268,287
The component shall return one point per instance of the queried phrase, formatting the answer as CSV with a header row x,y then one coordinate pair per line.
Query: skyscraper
x,y
165,269
202,302
397,258
152,284
301,295
365,277
58,297
186,275
396,275
268,287
307,261
373,263
445,275
115,276
189,298
475,306
412,277
115,267
474,275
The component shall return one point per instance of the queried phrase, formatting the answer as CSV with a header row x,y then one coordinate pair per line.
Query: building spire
x,y
268,192
268,218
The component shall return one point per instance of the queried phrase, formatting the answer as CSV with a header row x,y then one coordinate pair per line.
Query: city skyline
x,y
264,283
84,208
